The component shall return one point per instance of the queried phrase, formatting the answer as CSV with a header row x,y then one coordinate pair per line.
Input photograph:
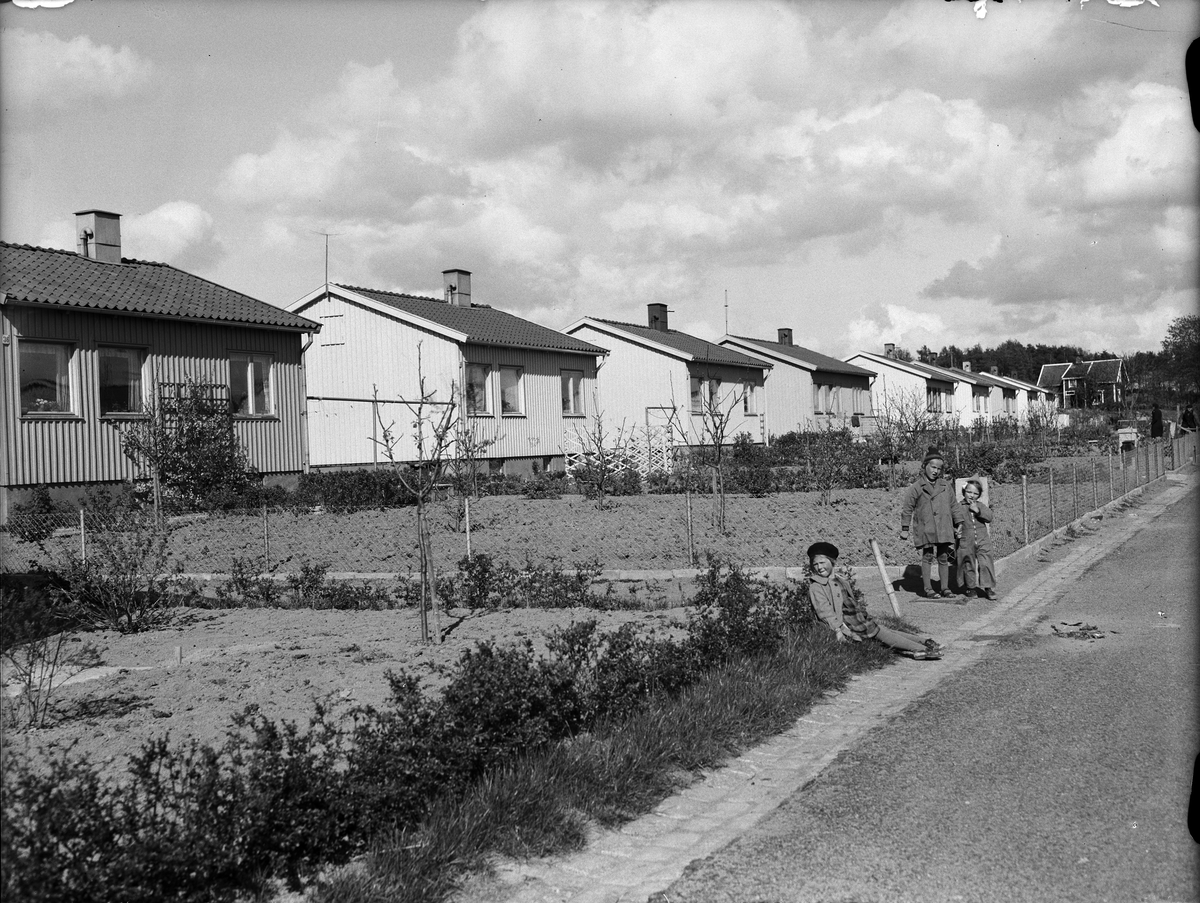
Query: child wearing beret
x,y
833,600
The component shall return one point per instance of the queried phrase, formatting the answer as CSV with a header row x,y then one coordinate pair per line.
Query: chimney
x,y
785,337
656,315
98,235
458,287
966,366
889,349
995,371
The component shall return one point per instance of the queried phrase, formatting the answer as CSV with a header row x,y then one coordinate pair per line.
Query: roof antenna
x,y
726,311
326,234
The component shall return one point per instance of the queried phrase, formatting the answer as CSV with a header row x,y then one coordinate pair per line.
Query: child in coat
x,y
833,600
976,571
936,519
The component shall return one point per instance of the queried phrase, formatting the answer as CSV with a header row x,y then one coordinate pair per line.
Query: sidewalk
x,y
648,854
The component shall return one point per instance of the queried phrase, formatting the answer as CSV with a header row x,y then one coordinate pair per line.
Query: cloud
x,y
178,232
42,71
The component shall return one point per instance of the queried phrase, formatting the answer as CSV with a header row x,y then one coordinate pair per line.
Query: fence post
x,y
82,537
1124,478
1112,494
266,540
1074,492
1053,522
1095,491
1025,507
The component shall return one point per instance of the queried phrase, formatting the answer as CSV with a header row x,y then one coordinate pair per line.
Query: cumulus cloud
x,y
42,71
178,232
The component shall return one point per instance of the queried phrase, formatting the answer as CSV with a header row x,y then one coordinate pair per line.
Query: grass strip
x,y
544,802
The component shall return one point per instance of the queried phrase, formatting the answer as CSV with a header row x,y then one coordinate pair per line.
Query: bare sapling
x,y
605,455
421,473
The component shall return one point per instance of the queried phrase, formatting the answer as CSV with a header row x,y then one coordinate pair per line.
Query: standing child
x,y
976,572
936,519
833,600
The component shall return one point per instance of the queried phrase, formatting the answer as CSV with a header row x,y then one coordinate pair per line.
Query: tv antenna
x,y
326,234
726,311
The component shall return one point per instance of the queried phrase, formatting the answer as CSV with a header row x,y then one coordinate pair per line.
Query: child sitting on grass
x,y
975,568
936,521
833,600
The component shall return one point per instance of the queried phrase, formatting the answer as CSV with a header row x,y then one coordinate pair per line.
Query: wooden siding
x,y
367,349
87,448
788,393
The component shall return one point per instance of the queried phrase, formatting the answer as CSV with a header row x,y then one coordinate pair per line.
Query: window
x,y
572,392
250,385
825,399
45,378
749,402
121,380
862,401
477,389
697,395
714,393
511,394
933,401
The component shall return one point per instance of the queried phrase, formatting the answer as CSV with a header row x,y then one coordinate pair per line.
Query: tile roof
x,y
934,372
699,349
135,287
481,324
1105,371
805,355
984,379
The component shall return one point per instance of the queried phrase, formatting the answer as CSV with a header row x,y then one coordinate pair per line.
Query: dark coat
x,y
1156,423
975,567
933,511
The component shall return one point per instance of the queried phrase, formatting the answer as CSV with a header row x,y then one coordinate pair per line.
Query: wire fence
x,y
630,533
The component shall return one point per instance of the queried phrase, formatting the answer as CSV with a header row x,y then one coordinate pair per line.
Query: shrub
x,y
246,588
36,520
750,468
348,489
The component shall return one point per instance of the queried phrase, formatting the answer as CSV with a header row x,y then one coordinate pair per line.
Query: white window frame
x,y
696,395
141,355
572,392
933,401
518,385
243,363
478,404
749,399
64,378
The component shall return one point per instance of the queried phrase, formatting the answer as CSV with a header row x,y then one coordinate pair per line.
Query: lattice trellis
x,y
645,454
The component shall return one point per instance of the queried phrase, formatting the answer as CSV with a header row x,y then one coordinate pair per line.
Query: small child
x,y
976,571
936,521
833,600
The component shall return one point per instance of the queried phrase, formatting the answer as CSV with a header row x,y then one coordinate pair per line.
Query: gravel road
x,y
1058,769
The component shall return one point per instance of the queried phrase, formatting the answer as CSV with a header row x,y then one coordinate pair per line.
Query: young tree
x,y
604,456
1181,348
432,433
716,420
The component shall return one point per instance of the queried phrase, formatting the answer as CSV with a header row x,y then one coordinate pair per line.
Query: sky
x,y
863,172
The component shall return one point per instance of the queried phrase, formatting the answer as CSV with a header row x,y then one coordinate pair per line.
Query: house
x,y
978,400
88,339
1085,384
521,386
807,389
1032,405
908,392
660,381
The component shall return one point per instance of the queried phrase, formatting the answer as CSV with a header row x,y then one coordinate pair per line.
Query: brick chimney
x,y
785,337
966,366
995,371
458,287
98,235
889,349
656,316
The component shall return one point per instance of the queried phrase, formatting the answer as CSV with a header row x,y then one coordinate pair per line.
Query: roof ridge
x,y
429,298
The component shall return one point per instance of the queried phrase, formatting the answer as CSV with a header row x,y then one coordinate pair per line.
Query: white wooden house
x,y
519,385
1032,402
656,380
907,387
87,339
806,389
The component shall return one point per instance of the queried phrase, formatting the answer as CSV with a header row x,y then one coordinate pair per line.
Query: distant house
x,y
979,399
656,379
521,385
88,337
1085,384
1028,400
909,390
807,389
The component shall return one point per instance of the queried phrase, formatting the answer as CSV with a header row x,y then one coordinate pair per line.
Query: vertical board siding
x,y
366,350
788,399
88,448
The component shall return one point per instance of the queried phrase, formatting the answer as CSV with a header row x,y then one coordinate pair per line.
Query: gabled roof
x,y
914,368
1021,384
979,378
1105,371
50,276
679,344
804,357
477,324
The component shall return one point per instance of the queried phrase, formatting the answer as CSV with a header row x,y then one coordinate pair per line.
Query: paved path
x,y
648,855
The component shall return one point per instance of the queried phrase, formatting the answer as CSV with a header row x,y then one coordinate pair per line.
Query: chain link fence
x,y
641,532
